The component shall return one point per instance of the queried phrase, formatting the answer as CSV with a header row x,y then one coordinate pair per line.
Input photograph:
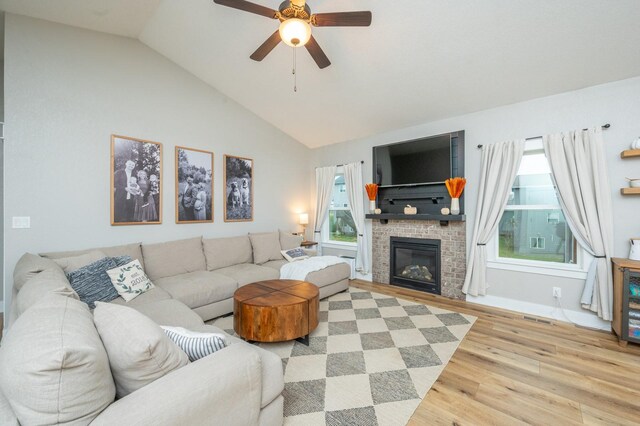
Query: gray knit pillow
x,y
92,283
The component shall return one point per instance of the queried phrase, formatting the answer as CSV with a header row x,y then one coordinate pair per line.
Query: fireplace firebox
x,y
415,264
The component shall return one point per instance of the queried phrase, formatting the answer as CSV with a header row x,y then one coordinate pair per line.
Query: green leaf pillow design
x,y
130,280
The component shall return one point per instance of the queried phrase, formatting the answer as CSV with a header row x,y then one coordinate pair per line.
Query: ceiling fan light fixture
x,y
295,32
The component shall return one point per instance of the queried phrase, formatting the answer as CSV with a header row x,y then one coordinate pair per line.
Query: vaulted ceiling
x,y
420,60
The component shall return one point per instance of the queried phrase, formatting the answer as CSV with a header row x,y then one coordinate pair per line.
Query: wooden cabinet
x,y
626,300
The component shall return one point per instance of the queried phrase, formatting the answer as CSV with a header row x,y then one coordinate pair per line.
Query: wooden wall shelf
x,y
630,191
630,153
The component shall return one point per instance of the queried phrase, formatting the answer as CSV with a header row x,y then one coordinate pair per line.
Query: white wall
x,y
67,90
2,158
616,103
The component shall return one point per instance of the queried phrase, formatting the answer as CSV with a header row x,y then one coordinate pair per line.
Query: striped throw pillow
x,y
195,345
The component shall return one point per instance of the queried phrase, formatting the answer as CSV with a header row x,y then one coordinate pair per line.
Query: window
x,y
537,243
533,227
340,226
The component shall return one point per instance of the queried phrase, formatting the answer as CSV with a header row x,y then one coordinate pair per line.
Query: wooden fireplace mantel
x,y
444,219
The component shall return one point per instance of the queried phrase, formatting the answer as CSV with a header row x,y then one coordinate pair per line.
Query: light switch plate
x,y
21,222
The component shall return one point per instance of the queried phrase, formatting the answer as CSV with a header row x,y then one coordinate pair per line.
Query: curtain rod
x,y
340,165
604,126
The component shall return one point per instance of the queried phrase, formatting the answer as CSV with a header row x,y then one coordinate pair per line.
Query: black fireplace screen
x,y
415,263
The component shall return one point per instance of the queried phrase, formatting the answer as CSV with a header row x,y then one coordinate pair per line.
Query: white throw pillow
x,y
70,264
130,280
195,345
139,351
295,254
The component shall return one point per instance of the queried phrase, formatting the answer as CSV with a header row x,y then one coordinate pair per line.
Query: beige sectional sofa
x,y
194,281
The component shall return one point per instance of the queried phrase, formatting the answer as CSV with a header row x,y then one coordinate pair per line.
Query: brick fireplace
x,y
452,240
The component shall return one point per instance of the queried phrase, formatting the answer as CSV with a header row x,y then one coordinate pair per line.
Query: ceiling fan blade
x,y
342,19
248,7
266,47
317,54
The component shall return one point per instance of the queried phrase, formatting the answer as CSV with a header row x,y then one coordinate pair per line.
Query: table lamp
x,y
304,220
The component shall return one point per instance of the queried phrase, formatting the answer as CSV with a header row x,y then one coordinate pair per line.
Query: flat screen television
x,y
415,162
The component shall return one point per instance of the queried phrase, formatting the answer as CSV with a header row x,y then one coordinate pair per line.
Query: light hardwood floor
x,y
510,370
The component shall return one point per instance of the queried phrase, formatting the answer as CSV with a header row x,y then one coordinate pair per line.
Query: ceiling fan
x,y
296,20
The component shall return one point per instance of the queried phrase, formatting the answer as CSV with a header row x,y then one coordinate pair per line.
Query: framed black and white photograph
x,y
194,185
238,181
136,181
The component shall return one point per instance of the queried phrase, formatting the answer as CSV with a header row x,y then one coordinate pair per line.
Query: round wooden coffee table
x,y
276,311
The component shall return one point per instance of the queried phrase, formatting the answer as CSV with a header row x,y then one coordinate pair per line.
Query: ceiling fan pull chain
x,y
295,75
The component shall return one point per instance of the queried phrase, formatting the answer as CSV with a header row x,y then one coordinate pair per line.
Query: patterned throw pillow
x,y
91,282
195,345
129,280
295,254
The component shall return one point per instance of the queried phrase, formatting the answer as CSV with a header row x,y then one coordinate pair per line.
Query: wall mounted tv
x,y
429,160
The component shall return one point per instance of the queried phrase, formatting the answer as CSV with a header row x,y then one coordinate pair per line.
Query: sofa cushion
x,y
41,286
173,258
248,273
329,275
73,263
139,351
92,283
223,252
266,247
171,313
133,250
289,241
7,417
275,264
199,288
28,266
151,296
55,349
272,374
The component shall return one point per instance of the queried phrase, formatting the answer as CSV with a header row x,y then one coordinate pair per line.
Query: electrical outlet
x,y
557,292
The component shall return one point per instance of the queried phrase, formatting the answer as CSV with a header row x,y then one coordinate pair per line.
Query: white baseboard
x,y
364,277
584,319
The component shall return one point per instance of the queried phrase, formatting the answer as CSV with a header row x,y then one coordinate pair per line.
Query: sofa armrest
x,y
223,388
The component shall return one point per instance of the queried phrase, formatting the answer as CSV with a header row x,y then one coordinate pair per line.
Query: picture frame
x,y
136,181
194,167
238,192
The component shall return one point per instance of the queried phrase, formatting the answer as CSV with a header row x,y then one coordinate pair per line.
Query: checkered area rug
x,y
371,360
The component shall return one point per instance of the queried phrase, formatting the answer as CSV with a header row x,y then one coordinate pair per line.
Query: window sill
x,y
340,245
556,271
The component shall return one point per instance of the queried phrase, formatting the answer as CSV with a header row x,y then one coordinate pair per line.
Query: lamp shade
x,y
295,32
304,218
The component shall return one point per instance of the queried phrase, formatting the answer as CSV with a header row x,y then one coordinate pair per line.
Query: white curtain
x,y
324,185
498,170
355,193
578,167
